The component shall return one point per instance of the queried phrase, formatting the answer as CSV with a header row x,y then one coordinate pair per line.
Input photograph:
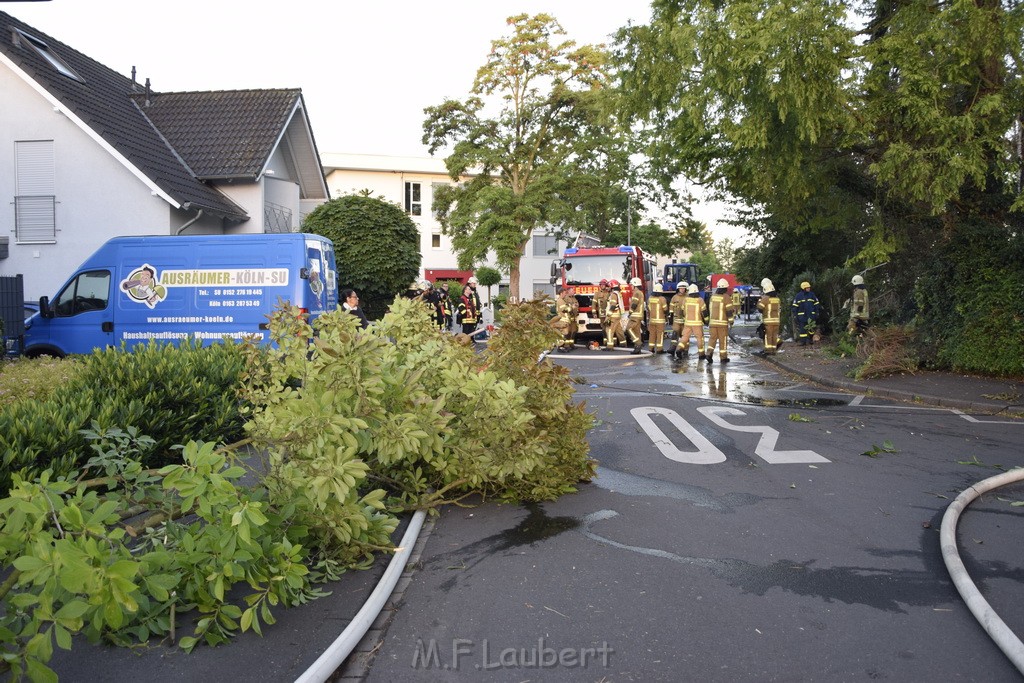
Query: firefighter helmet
x,y
426,284
767,285
693,289
636,282
857,280
722,283
658,288
471,281
805,285
613,283
603,282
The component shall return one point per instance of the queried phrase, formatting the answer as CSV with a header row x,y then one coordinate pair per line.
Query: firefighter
x,y
468,314
677,314
599,306
563,313
720,314
472,282
737,306
693,311
634,332
574,316
806,311
445,304
859,313
614,316
657,310
770,307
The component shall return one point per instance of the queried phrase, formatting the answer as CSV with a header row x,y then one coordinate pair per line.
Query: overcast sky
x,y
366,69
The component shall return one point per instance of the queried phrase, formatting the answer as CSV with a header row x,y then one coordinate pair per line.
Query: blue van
x,y
137,289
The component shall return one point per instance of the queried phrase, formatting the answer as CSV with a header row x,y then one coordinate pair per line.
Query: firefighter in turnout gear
x,y
599,307
770,307
614,317
737,306
636,315
693,313
859,313
657,312
720,313
563,313
806,311
677,314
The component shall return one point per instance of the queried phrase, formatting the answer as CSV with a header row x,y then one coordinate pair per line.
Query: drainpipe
x,y
199,214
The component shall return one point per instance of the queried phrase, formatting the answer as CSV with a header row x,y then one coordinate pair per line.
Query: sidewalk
x,y
970,393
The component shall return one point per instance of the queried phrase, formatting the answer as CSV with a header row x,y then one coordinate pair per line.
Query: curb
x,y
908,396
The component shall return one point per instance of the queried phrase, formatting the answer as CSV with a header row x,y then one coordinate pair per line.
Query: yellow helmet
x,y
805,285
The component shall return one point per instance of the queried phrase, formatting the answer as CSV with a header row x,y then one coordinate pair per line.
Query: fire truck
x,y
585,267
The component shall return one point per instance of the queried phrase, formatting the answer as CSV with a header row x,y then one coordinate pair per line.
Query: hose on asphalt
x,y
1004,638
339,650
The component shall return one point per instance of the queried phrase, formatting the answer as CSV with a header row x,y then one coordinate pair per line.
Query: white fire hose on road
x,y
1007,641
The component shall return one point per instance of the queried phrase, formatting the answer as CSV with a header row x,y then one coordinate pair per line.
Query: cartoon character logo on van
x,y
142,286
316,283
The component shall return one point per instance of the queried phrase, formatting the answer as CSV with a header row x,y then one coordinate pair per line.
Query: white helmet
x,y
426,284
636,282
692,289
767,285
857,280
471,281
658,287
722,284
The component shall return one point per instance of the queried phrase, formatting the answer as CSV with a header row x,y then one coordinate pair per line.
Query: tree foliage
x,y
376,246
551,154
872,137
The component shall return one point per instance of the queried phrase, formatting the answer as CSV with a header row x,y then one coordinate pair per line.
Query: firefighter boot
x,y
636,349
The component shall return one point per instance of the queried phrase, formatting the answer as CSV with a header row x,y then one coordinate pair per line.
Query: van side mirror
x,y
44,307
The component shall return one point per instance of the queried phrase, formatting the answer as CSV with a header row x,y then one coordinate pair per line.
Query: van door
x,y
83,318
322,284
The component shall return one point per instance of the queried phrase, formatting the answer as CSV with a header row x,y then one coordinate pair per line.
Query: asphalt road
x,y
742,527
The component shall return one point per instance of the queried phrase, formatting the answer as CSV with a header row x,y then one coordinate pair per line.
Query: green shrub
x,y
172,394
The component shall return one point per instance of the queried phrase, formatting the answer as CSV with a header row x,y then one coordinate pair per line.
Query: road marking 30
x,y
707,453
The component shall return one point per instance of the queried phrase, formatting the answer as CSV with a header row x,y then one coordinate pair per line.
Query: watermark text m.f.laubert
x,y
484,655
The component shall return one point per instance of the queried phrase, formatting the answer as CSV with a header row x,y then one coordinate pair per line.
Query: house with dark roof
x,y
87,154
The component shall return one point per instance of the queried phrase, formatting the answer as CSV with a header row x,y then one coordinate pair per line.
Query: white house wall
x,y
97,197
249,196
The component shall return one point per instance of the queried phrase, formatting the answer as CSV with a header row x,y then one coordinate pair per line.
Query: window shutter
x,y
35,215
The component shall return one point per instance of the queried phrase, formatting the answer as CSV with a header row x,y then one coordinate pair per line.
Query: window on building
x,y
545,246
43,50
433,193
413,199
435,241
35,200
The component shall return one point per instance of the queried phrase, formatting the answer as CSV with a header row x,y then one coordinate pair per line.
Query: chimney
x,y
147,92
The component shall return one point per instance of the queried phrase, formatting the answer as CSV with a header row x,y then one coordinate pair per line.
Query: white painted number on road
x,y
707,453
765,448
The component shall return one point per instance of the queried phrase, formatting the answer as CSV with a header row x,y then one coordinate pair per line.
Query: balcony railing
x,y
276,218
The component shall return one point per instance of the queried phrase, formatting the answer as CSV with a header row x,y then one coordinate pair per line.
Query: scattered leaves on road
x,y
886,447
977,463
797,417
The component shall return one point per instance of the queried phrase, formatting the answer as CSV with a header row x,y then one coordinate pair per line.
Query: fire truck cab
x,y
585,267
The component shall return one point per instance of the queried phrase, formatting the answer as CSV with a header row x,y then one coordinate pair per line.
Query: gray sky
x,y
366,69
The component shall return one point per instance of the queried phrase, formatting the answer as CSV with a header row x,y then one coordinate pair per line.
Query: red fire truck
x,y
585,267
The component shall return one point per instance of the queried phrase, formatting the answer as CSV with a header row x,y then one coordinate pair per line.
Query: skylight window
x,y
44,51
